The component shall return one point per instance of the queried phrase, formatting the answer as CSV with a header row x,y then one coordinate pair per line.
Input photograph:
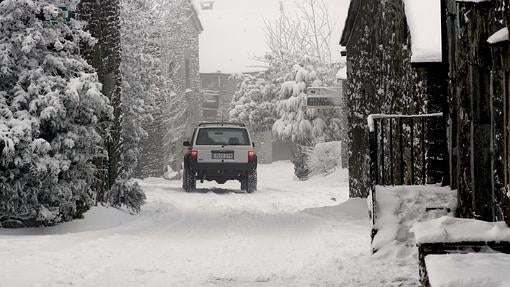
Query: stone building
x,y
381,78
469,84
180,112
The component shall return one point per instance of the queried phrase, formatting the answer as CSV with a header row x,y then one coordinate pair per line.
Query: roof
x,y
498,37
350,22
195,18
425,26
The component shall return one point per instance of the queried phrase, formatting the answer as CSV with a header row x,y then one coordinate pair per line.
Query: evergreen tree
x,y
299,58
300,125
50,106
254,102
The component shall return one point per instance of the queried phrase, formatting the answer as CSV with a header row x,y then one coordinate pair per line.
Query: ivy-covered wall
x,y
380,79
479,108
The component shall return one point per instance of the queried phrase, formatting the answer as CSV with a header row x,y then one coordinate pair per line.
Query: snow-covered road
x,y
289,233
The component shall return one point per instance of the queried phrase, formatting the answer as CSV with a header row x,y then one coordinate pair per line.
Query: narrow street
x,y
288,233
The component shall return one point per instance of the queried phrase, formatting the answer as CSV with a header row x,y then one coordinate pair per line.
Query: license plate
x,y
223,155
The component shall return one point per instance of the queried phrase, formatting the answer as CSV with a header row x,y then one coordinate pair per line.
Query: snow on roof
x,y
499,36
424,21
473,1
342,73
473,269
450,229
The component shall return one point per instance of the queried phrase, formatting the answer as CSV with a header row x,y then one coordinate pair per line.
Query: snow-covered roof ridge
x,y
424,21
473,1
451,229
500,36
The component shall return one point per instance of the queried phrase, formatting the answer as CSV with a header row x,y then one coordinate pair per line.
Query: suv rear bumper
x,y
213,171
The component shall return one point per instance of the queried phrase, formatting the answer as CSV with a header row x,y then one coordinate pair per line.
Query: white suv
x,y
220,152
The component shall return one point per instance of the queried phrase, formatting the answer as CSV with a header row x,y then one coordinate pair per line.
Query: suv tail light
x,y
194,154
252,155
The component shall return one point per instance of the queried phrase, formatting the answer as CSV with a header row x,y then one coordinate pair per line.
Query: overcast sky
x,y
234,32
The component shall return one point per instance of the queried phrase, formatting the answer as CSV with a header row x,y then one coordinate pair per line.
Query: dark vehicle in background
x,y
220,152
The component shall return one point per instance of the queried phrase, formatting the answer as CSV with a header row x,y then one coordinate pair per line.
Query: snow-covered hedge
x,y
325,158
50,106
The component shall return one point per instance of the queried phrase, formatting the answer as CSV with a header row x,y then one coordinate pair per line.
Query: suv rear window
x,y
222,136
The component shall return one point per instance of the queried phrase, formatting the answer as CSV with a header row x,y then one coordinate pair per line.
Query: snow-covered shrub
x,y
128,193
325,158
50,105
253,102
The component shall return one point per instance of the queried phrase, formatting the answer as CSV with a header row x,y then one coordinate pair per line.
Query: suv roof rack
x,y
221,124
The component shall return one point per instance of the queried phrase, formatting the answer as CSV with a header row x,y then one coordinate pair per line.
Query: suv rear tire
x,y
251,181
189,183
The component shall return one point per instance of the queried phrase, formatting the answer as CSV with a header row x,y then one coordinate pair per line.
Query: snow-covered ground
x,y
288,233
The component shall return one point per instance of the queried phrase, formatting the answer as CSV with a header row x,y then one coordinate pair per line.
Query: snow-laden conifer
x,y
50,104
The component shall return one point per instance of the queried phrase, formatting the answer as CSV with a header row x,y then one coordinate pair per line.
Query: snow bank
x,y
450,229
424,21
399,207
353,208
97,218
469,270
499,36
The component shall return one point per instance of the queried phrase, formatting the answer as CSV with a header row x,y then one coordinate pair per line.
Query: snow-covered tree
x,y
50,106
300,125
308,32
254,102
299,58
141,78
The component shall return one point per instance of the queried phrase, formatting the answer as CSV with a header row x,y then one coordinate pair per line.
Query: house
x,y
381,78
478,110
464,74
180,53
218,90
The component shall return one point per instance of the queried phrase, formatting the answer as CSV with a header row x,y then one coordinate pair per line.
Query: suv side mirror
x,y
253,144
186,143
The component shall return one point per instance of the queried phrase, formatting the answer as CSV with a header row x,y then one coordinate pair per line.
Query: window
x,y
222,136
187,73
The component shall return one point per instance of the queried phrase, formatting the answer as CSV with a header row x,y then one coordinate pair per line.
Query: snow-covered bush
x,y
254,102
50,104
325,158
128,193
